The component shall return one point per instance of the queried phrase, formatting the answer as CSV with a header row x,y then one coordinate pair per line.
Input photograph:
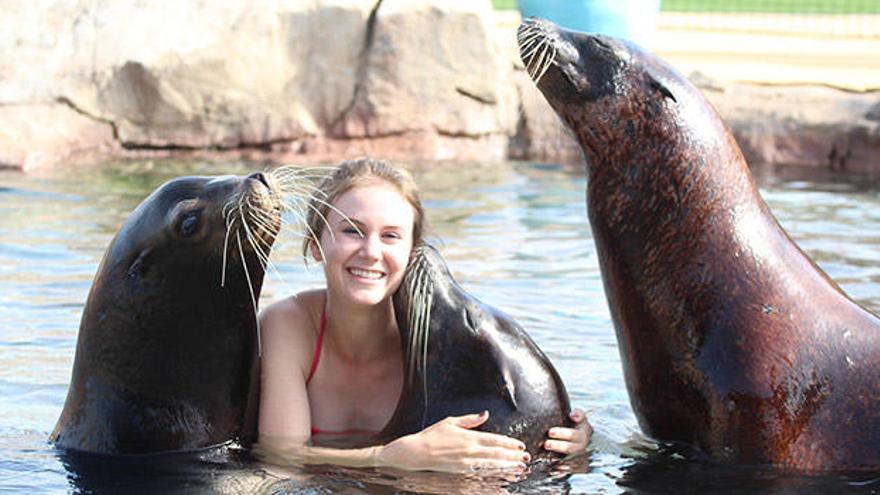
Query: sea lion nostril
x,y
259,176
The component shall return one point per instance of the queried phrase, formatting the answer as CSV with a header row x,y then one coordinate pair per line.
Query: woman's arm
x,y
285,415
450,445
287,342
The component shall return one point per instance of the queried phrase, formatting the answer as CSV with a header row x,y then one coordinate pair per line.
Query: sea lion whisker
x,y
529,44
225,250
228,207
420,311
420,325
291,177
253,297
267,264
528,39
254,240
525,33
285,183
550,61
285,169
338,211
412,315
298,188
264,222
298,208
244,208
229,220
261,245
294,203
533,45
286,177
533,60
314,236
261,234
540,63
529,57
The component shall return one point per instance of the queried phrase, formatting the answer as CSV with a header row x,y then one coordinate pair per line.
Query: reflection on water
x,y
515,235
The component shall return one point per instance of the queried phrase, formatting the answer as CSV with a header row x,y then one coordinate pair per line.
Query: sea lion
x,y
463,356
731,338
167,346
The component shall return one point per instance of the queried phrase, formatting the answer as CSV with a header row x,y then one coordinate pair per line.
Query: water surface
x,y
515,235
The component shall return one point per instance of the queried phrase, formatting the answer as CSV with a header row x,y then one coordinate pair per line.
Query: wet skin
x,y
731,338
166,352
477,359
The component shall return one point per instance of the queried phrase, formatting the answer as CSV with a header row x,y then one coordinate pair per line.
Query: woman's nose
x,y
371,247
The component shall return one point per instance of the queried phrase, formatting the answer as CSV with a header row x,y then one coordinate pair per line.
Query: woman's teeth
x,y
369,274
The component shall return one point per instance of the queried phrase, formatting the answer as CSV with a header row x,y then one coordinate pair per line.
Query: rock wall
x,y
329,79
399,77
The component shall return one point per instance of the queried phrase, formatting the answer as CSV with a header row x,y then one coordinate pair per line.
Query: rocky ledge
x,y
329,79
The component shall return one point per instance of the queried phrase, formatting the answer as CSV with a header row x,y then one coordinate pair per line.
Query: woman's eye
x,y
350,230
189,224
392,235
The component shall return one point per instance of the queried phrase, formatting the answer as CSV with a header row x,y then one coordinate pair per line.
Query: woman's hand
x,y
451,445
570,440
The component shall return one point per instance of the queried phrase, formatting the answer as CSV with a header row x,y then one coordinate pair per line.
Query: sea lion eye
x,y
189,224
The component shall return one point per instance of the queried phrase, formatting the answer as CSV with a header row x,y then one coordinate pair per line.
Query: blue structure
x,y
631,19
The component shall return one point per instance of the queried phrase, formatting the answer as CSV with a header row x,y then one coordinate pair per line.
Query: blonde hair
x,y
352,173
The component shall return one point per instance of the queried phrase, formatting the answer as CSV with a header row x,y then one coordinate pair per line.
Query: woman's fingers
x,y
578,416
469,421
486,439
561,446
498,457
560,433
570,440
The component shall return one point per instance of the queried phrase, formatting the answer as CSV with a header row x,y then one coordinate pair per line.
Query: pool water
x,y
514,234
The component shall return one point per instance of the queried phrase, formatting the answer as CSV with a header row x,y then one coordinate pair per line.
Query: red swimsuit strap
x,y
315,360
318,346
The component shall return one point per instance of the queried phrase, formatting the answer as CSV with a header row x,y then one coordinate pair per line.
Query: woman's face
x,y
366,267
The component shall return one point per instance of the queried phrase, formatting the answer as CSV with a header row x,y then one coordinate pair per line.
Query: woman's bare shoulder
x,y
292,323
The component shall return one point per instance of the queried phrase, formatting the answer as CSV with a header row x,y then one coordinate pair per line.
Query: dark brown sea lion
x,y
167,346
731,338
464,356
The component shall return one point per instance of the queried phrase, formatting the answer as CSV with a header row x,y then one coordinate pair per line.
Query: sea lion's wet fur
x,y
463,357
166,352
731,338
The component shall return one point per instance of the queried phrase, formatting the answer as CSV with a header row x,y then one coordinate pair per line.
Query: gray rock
x,y
874,112
38,135
814,126
222,75
431,66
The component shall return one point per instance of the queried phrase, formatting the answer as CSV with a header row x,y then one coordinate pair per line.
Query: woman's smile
x,y
366,273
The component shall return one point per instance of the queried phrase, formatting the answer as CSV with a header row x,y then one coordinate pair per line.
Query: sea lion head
x,y
437,316
169,337
193,221
463,356
609,92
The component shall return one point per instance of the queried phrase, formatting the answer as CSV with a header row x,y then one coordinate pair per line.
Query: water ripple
x,y
515,236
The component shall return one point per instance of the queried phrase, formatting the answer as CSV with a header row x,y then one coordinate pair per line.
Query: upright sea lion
x,y
166,353
731,338
463,357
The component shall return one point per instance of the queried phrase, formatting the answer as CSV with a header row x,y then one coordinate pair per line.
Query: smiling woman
x,y
332,359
